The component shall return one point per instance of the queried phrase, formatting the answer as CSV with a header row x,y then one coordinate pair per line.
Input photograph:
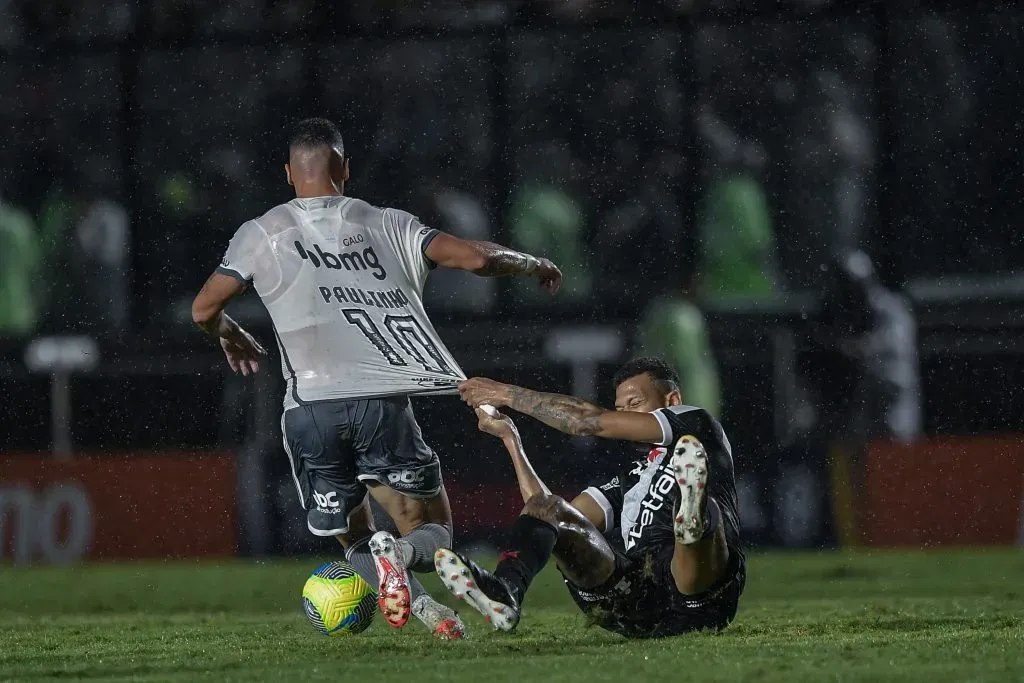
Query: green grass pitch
x,y
880,616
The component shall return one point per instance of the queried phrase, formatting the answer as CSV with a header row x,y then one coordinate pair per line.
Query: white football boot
x,y
486,593
393,596
443,621
689,465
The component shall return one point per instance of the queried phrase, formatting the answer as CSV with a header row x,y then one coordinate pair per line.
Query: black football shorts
x,y
640,600
335,447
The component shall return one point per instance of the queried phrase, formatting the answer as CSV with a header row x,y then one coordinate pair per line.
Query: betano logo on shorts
x,y
350,260
326,502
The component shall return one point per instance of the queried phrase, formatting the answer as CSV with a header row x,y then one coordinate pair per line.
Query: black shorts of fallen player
x,y
640,600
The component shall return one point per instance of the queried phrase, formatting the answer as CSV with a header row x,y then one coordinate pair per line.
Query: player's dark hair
x,y
661,372
316,132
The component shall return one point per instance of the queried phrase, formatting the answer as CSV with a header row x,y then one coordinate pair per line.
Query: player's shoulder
x,y
276,211
400,218
363,212
275,219
684,419
403,225
362,206
692,417
681,410
390,214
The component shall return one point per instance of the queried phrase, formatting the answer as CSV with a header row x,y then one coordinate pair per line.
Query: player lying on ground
x,y
654,551
343,283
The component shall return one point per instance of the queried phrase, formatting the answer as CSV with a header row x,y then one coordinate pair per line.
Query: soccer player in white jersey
x,y
343,283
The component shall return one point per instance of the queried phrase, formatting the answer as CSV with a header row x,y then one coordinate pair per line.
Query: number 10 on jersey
x,y
408,334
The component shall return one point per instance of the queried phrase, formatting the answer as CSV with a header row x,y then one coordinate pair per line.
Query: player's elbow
x,y
478,264
203,314
476,261
590,423
451,252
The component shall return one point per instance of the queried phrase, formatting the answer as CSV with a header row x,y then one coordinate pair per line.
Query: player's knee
x,y
545,507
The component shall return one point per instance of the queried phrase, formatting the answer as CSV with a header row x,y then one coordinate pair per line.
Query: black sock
x,y
713,514
530,543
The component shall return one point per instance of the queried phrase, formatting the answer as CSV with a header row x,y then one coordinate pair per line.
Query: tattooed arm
x,y
564,413
488,259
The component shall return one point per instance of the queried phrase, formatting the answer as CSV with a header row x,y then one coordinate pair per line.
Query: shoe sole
x,y
393,597
689,466
458,578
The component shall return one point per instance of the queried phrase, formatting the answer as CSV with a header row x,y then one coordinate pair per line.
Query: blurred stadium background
x,y
811,207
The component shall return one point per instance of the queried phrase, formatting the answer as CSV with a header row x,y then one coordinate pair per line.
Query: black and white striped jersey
x,y
640,502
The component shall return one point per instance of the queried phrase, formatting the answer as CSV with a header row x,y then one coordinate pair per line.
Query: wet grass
x,y
952,616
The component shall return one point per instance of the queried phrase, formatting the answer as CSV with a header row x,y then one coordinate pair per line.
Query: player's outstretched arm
x,y
530,483
488,259
502,427
242,351
565,413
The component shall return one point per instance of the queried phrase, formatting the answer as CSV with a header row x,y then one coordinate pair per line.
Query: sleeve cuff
x,y
606,506
666,428
230,272
426,243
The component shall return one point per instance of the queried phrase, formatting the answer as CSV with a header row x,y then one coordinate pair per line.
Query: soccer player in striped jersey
x,y
653,551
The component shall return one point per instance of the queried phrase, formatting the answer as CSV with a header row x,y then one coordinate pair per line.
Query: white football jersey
x,y
343,283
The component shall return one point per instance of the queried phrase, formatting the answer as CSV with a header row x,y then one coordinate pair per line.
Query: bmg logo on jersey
x,y
327,502
350,260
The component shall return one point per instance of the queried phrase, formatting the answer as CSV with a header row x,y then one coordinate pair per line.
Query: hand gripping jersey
x,y
343,283
640,503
